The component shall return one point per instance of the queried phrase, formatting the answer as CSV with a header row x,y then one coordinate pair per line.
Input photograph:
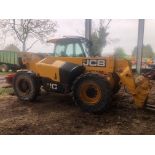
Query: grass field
x,y
6,91
4,73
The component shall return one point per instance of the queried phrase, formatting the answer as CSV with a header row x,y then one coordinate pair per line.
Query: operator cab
x,y
71,47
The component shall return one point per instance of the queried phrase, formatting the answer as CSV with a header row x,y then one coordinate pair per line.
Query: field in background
x,y
5,91
4,73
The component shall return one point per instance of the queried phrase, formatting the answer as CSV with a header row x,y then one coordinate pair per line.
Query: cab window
x,y
78,50
70,50
60,50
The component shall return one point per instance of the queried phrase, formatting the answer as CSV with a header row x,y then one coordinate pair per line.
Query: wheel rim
x,y
90,93
24,86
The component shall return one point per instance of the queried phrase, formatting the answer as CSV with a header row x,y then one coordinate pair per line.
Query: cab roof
x,y
67,39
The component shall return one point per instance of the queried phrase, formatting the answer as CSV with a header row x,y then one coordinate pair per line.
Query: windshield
x,y
70,49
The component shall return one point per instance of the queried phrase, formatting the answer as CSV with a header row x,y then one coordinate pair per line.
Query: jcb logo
x,y
54,86
94,62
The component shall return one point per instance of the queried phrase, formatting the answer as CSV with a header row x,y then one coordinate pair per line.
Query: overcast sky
x,y
122,33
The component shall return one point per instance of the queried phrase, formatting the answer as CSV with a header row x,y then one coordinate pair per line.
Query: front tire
x,y
26,86
92,92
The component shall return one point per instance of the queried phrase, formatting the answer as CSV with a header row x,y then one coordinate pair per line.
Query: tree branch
x,y
17,33
31,45
108,23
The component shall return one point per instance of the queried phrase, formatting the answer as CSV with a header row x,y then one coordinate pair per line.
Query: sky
x,y
122,33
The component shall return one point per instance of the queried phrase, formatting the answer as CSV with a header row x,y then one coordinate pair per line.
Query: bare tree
x,y
24,29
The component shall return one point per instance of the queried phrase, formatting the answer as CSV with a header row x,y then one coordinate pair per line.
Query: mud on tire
x,y
91,103
26,86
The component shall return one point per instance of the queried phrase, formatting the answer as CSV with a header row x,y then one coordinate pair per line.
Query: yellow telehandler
x,y
71,69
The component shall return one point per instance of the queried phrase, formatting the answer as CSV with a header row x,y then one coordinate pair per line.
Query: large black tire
x,y
26,86
97,94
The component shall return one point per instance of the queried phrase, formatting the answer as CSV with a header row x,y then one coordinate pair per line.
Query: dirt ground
x,y
57,114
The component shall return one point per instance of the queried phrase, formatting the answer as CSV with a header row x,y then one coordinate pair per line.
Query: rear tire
x,y
26,86
96,92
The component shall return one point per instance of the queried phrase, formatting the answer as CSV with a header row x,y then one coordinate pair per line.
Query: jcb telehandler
x,y
72,69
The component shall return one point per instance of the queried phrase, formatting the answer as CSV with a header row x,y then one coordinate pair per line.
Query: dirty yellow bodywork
x,y
139,87
49,67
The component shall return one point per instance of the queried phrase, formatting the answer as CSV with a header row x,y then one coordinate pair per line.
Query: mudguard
x,y
69,71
